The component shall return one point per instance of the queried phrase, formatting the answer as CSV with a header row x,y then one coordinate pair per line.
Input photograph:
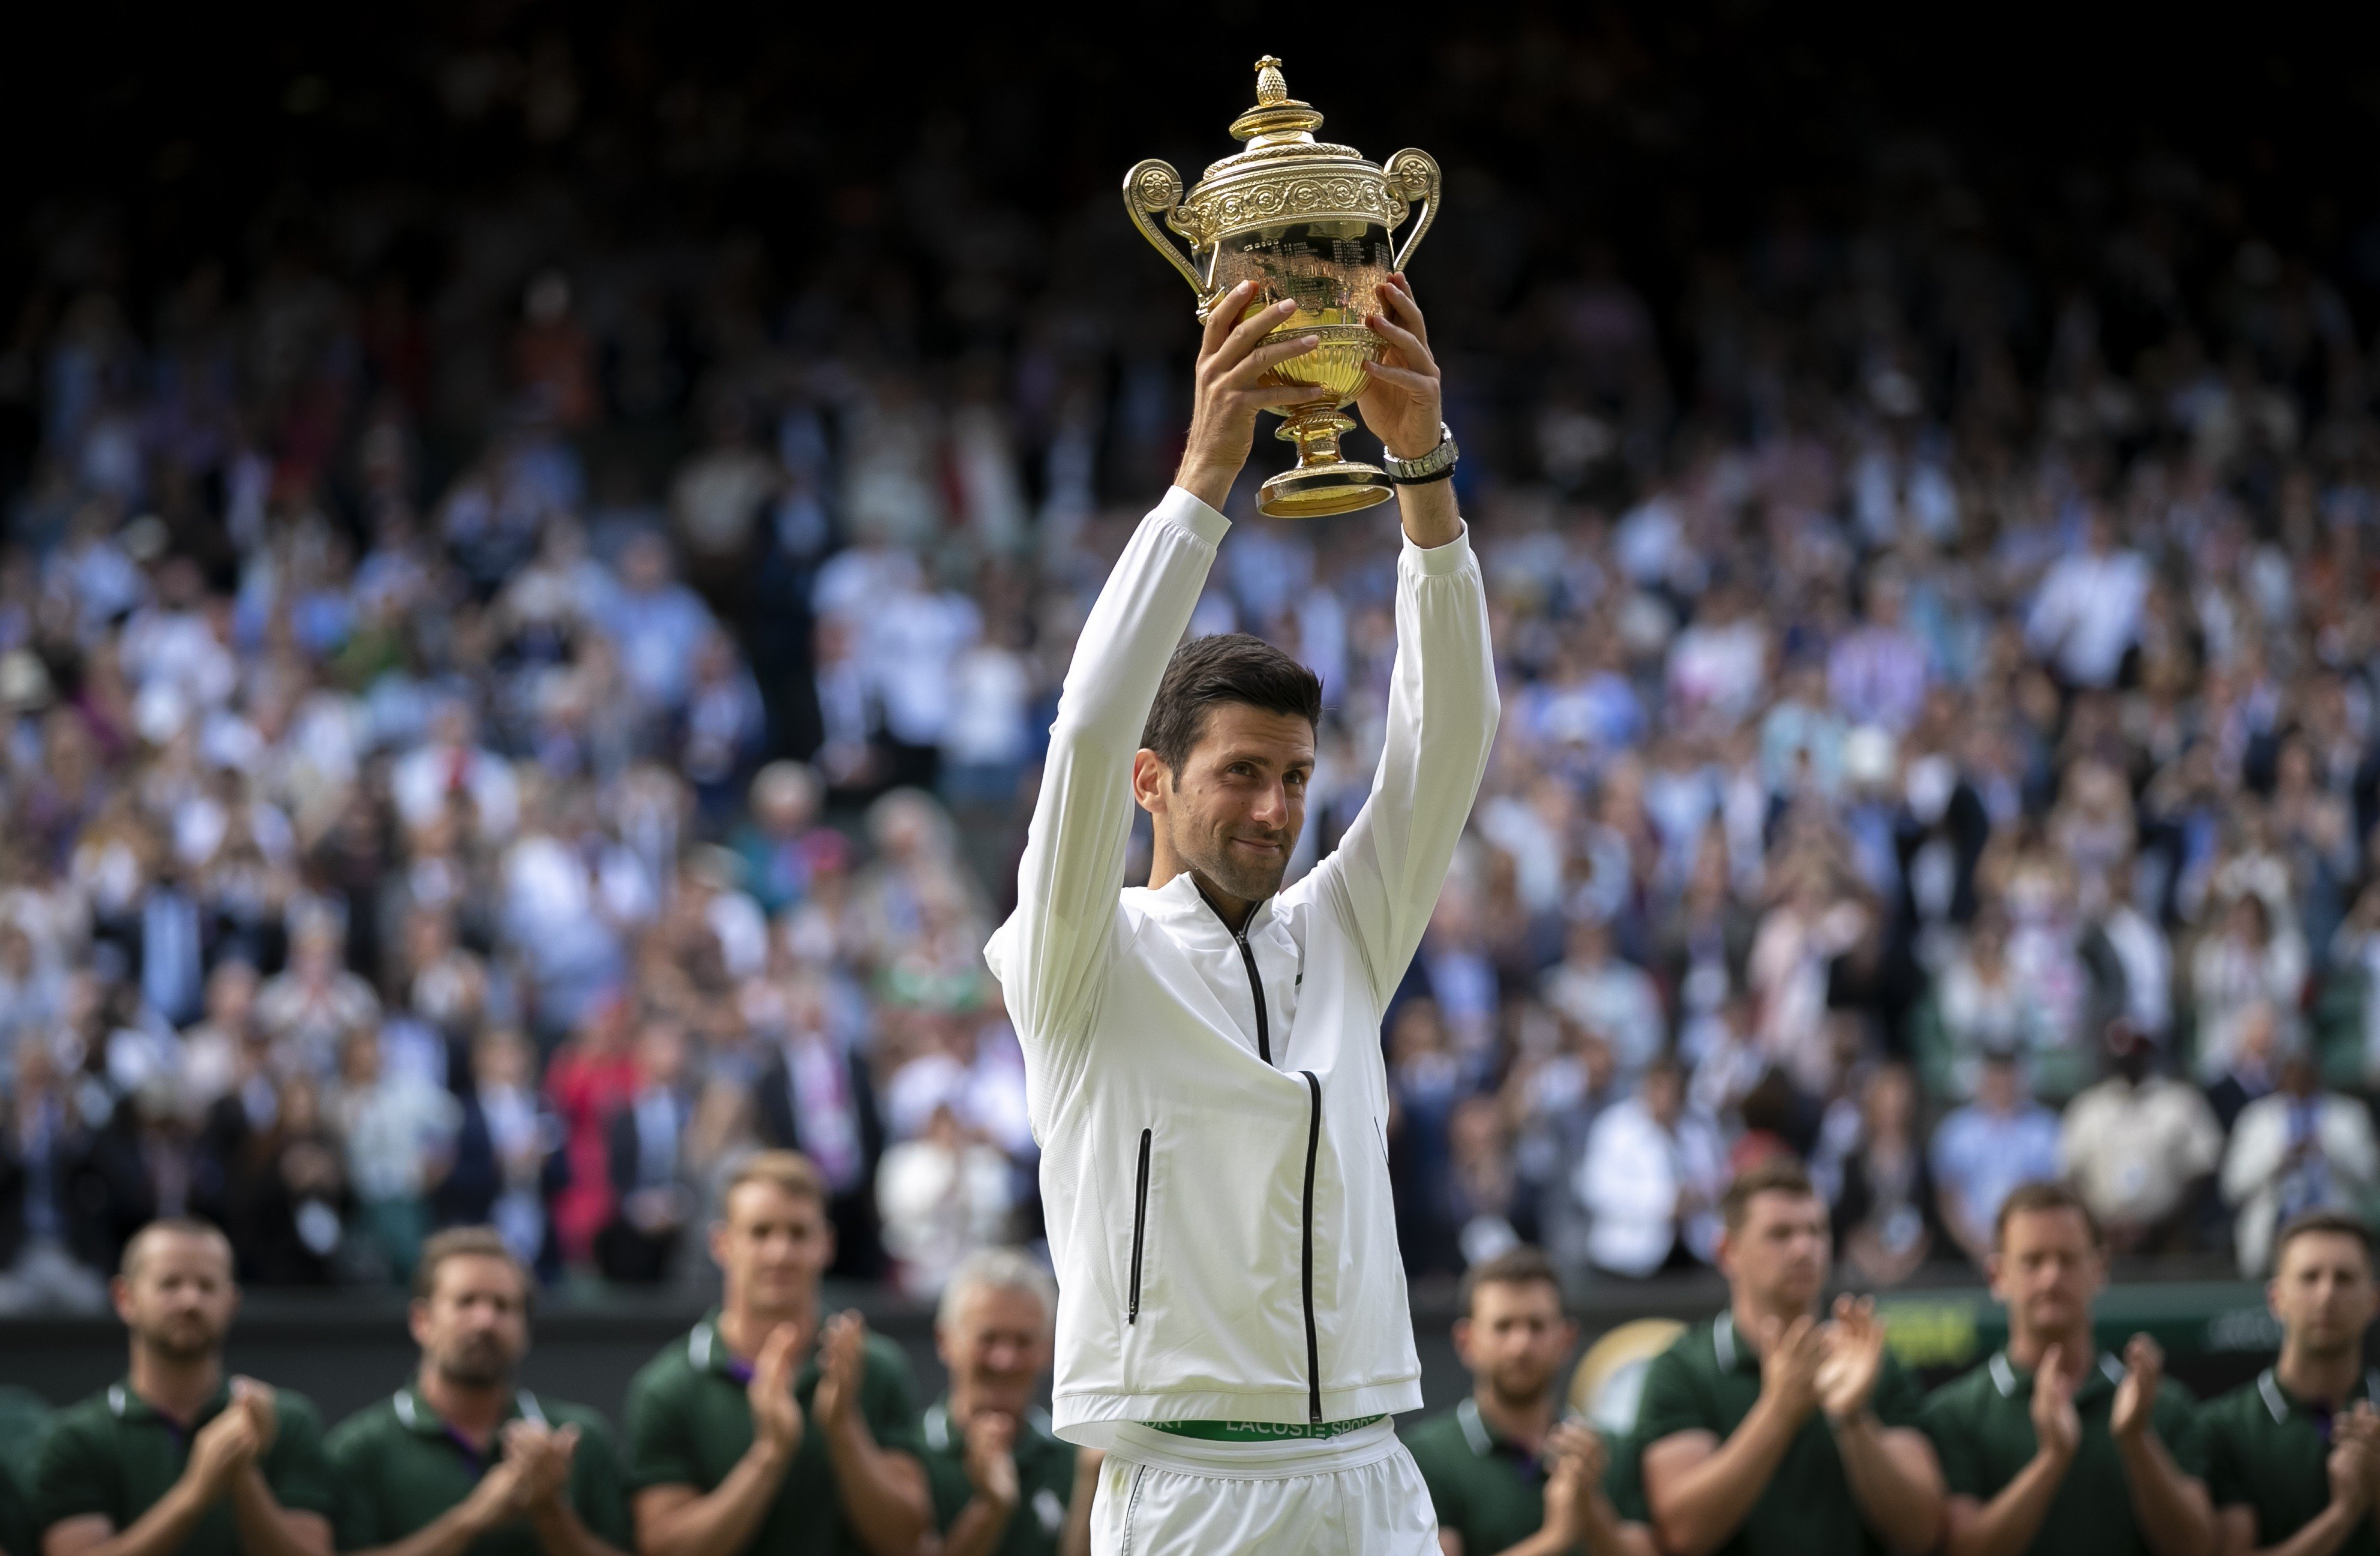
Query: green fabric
x,y
1261,1431
1709,1381
2265,1452
400,1470
689,1422
113,1455
24,1421
1045,1481
1982,1428
1491,1491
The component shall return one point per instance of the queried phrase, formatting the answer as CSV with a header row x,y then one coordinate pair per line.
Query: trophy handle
x,y
1152,186
1413,175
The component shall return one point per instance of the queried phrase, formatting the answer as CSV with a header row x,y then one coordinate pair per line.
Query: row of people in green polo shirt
x,y
769,1428
1770,1429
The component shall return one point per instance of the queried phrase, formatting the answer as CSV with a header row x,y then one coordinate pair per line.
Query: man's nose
x,y
1272,805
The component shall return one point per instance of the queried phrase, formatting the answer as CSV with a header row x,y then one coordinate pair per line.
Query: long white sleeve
x,y
1384,877
1050,955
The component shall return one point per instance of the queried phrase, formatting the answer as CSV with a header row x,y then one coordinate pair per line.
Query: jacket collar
x,y
1184,910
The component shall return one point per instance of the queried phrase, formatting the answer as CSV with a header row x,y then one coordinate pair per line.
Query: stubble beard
x,y
481,1367
1213,863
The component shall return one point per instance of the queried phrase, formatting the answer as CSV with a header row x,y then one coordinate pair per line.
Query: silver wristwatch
x,y
1434,466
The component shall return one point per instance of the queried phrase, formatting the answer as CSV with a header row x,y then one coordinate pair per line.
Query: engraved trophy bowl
x,y
1309,221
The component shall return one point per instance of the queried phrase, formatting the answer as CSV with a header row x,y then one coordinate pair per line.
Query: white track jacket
x,y
1212,1108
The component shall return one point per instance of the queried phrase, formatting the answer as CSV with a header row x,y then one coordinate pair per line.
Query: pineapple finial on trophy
x,y
1270,88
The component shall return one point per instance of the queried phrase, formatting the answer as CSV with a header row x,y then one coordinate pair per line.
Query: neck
x,y
1526,1422
2325,1377
1164,867
1750,1311
176,1387
745,1325
475,1411
2078,1350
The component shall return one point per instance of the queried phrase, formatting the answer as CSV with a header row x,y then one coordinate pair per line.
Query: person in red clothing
x,y
590,1078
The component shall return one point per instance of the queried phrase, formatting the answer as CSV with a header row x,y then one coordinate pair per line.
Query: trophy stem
x,y
1324,482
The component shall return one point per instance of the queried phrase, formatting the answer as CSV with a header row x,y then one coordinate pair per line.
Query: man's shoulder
x,y
882,1357
2232,1413
93,1416
668,1373
1962,1395
364,1430
570,1412
1436,1437
294,1411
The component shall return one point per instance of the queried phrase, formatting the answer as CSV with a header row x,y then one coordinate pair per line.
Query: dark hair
x,y
1227,667
1779,1174
2054,1195
129,1263
465,1241
2336,1223
1518,1266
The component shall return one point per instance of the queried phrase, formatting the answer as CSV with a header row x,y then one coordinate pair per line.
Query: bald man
x,y
176,1459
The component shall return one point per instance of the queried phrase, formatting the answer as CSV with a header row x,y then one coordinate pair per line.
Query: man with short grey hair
x,y
1002,1484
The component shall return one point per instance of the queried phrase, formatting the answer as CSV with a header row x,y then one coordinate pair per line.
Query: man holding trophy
x,y
1204,1054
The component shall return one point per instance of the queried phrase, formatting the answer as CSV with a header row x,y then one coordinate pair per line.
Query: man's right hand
x,y
1225,402
1791,1356
223,1448
776,1416
2057,1424
991,1457
501,1495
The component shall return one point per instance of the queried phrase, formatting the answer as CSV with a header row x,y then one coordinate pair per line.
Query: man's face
x,y
771,1246
2323,1292
1233,812
2046,1270
473,1329
1780,1255
177,1296
997,1346
1515,1338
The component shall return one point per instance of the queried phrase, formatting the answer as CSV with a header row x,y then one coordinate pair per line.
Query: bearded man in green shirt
x,y
460,1461
176,1459
2053,1447
2293,1459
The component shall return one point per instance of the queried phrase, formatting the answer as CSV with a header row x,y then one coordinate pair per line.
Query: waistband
x,y
1272,1459
1259,1431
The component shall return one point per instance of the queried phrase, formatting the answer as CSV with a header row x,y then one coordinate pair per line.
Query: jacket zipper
x,y
1256,987
1313,1346
1140,1224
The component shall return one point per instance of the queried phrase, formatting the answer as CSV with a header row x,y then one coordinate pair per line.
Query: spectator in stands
x,y
2298,1151
462,1457
1504,1474
508,1159
400,1134
1988,1149
1651,1180
817,1099
176,1455
653,1195
1002,1483
1610,997
772,1427
1887,1214
44,1249
2249,962
2140,1147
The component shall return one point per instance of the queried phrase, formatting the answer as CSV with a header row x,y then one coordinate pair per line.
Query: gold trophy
x,y
1309,221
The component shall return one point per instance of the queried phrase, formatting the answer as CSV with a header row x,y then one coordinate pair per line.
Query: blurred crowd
x,y
498,738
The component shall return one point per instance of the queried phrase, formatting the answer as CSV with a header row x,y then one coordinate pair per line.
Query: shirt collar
x,y
2008,1379
2277,1401
125,1406
940,1435
708,1352
1728,1347
417,1417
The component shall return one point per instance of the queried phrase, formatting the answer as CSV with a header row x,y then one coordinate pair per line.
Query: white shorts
x,y
1356,1495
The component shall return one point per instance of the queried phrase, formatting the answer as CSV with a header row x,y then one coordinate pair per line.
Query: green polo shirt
x,y
2267,1452
401,1468
16,1520
1709,1381
113,1454
1982,1428
1045,1480
1491,1491
689,1422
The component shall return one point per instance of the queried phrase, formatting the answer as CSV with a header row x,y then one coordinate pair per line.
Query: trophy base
x,y
1320,491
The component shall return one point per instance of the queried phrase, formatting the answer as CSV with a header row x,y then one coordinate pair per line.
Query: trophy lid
x,y
1277,118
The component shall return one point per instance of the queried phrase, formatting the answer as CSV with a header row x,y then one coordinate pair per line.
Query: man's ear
x,y
1149,781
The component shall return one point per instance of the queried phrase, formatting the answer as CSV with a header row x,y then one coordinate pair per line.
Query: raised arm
x,y
1385,875
1050,955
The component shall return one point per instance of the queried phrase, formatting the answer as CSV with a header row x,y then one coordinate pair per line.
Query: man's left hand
x,y
840,1350
1400,401
2135,1406
1854,1345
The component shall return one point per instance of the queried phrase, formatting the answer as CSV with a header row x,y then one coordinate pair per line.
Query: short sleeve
x,y
73,1476
1898,1401
1445,1488
888,1401
1672,1402
1944,1425
2225,1485
298,1469
359,1525
660,1452
2178,1423
1623,1479
596,1484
